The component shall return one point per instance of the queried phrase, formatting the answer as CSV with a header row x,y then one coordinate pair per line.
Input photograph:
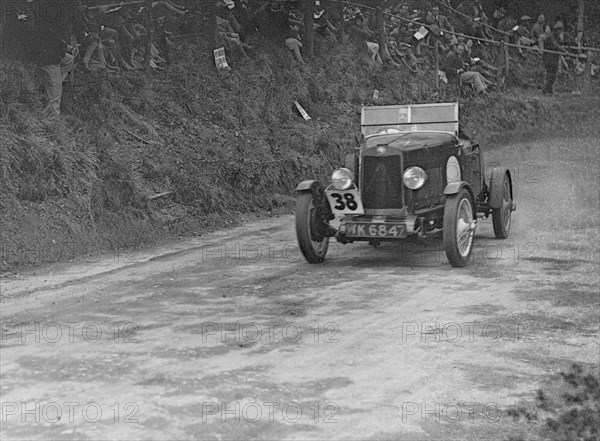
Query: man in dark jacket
x,y
55,22
552,43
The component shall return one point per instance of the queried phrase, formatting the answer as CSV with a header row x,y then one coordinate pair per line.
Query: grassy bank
x,y
214,145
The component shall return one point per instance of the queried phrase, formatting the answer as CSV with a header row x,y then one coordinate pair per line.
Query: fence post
x,y
506,59
436,65
587,74
500,65
150,29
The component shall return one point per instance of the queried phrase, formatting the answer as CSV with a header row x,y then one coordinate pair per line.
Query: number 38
x,y
343,201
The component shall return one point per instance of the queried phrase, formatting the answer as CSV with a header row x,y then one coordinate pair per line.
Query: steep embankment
x,y
217,144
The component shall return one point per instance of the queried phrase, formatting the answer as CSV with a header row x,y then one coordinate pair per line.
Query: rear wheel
x,y
501,216
459,228
313,243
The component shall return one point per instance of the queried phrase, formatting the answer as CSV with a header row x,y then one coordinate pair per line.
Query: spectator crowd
x,y
462,38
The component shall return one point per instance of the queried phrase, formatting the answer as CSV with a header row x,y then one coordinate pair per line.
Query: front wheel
x,y
501,216
459,228
313,243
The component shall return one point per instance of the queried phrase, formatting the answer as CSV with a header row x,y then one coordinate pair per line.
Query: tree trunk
x,y
309,27
580,25
379,17
580,17
195,26
211,11
500,76
506,60
150,29
340,11
436,63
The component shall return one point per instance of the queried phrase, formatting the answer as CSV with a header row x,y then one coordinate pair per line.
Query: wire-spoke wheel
x,y
459,228
501,216
312,242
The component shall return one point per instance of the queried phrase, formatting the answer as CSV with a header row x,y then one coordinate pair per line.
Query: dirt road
x,y
233,336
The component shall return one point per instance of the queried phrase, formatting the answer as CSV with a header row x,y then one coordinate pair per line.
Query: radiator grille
x,y
382,182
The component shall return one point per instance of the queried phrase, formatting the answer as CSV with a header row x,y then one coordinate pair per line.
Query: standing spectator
x,y
546,34
552,43
565,39
538,30
523,35
55,22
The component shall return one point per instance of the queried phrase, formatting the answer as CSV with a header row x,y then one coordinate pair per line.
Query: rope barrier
x,y
456,11
457,34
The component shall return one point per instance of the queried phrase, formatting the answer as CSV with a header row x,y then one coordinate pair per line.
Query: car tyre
x,y
313,243
459,228
501,216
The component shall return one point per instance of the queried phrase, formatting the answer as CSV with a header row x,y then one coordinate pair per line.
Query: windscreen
x,y
438,117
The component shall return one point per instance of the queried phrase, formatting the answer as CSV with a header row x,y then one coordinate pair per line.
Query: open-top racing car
x,y
415,173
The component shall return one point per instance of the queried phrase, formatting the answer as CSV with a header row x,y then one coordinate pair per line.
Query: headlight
x,y
342,179
414,177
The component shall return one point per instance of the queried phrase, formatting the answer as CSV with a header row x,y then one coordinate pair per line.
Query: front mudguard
x,y
323,214
315,187
454,187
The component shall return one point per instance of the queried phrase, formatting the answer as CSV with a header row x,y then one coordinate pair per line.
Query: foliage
x,y
571,406
218,143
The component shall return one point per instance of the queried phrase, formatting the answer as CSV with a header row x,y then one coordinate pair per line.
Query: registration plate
x,y
356,229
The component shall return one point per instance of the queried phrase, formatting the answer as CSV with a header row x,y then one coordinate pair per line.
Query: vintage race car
x,y
415,173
